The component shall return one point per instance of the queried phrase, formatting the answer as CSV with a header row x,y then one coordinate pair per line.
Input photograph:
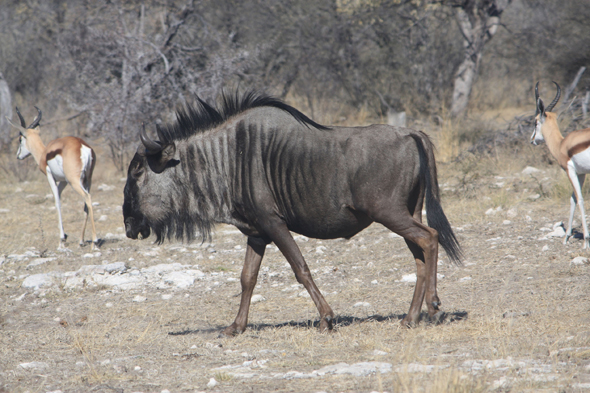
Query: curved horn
x,y
151,147
161,135
22,120
537,98
550,106
35,122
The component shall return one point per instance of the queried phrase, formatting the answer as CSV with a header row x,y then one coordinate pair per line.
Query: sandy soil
x,y
517,313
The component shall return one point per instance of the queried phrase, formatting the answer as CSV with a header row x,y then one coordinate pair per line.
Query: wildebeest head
x,y
147,200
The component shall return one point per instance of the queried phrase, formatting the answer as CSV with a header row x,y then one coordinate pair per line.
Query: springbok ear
x,y
161,160
19,128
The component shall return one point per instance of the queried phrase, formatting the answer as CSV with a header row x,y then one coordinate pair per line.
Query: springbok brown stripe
x,y
579,140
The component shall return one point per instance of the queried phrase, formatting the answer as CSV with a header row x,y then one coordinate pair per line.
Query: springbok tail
x,y
434,212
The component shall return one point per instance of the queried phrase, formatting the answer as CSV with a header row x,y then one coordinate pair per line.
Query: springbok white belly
x,y
57,168
581,161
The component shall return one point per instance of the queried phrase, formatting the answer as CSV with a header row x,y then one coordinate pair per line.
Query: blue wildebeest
x,y
263,166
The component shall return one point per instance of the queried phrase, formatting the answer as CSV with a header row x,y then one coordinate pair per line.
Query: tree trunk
x,y
478,21
5,111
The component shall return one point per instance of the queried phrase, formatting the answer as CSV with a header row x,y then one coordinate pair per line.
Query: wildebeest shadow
x,y
339,322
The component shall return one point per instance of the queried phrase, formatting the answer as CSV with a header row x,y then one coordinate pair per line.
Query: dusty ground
x,y
518,311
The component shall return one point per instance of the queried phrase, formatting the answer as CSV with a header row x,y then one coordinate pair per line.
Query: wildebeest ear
x,y
160,160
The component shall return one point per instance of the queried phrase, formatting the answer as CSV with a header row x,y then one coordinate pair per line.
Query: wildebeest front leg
x,y
254,254
281,236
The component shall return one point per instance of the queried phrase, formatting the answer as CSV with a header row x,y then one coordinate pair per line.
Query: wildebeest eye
x,y
136,169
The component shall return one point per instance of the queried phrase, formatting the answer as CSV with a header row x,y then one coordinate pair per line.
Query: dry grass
x,y
521,304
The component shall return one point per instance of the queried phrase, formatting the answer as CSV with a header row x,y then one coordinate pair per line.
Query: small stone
x,y
139,299
34,365
362,304
166,296
580,261
409,277
529,170
212,383
257,299
512,212
545,248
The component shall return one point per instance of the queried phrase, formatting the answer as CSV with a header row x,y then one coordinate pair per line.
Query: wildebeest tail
x,y
434,213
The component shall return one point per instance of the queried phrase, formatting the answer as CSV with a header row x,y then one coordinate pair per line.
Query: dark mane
x,y
192,120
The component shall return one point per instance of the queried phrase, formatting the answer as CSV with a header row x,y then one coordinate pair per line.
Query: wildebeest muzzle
x,y
133,229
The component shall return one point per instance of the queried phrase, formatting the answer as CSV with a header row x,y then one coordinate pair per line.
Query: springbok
x,y
572,153
64,160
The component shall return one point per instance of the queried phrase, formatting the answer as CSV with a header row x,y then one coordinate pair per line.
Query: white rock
x,y
105,187
557,232
464,279
139,299
545,248
506,222
37,281
512,212
34,365
103,218
115,267
579,261
419,368
374,282
179,280
357,369
529,170
257,299
162,268
362,304
409,277
212,383
379,353
37,262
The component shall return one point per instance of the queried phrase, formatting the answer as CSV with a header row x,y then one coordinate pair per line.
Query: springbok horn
x,y
22,120
550,107
537,98
151,147
35,122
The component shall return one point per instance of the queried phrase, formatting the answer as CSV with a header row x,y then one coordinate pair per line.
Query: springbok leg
x,y
577,182
254,254
281,236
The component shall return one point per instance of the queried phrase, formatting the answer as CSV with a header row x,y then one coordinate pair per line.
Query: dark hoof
x,y
327,324
409,324
229,331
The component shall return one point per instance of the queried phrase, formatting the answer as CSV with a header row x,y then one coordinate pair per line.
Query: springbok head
x,y
23,149
541,114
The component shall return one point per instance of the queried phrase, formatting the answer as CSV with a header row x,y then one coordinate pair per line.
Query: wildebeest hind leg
x,y
281,236
254,254
423,243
